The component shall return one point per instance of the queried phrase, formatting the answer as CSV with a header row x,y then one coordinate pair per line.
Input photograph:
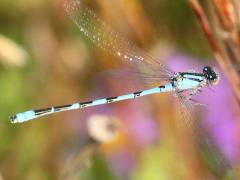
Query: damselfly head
x,y
211,75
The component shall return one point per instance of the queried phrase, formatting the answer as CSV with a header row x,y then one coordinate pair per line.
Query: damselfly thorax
x,y
193,80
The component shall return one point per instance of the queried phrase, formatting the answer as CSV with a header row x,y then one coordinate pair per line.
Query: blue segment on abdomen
x,y
123,97
150,91
25,116
75,106
99,101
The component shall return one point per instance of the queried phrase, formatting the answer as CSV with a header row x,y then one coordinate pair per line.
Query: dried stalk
x,y
223,37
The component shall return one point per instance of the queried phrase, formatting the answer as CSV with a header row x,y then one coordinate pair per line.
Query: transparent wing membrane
x,y
110,40
211,155
147,79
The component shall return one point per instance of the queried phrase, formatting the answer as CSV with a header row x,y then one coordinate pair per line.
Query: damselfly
x,y
182,84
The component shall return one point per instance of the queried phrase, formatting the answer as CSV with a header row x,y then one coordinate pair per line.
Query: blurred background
x,y
45,61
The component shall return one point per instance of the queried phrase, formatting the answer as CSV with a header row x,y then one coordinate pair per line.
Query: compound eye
x,y
205,69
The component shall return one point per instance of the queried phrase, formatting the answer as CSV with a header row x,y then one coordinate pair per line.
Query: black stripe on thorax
x,y
191,73
198,80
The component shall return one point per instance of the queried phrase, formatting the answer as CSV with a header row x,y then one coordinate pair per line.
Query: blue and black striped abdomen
x,y
32,114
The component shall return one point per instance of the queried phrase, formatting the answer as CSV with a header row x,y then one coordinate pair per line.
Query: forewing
x,y
110,40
